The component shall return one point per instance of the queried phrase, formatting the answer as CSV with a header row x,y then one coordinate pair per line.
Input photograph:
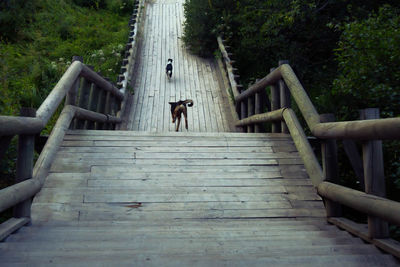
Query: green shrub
x,y
41,51
91,3
14,14
120,6
369,63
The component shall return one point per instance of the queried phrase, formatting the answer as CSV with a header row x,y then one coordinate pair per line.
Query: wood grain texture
x,y
193,78
153,197
205,199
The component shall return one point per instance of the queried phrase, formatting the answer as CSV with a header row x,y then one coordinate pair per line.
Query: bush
x,y
97,4
198,27
14,14
120,6
369,63
31,66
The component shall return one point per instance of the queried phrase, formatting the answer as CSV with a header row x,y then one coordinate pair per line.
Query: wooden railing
x,y
284,85
91,102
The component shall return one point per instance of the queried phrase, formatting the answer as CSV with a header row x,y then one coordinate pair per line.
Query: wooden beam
x,y
270,79
361,230
101,82
11,225
53,100
250,112
229,69
304,103
375,129
284,96
372,205
330,167
275,104
355,160
374,177
83,101
10,125
275,115
303,146
26,147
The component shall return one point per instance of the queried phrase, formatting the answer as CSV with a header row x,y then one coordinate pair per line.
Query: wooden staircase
x,y
126,198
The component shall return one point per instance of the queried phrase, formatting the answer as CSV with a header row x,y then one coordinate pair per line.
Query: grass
x,y
36,52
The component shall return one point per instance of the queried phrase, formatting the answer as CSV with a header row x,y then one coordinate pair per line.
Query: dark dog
x,y
168,69
177,108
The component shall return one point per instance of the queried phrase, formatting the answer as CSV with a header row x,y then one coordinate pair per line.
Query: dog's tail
x,y
189,102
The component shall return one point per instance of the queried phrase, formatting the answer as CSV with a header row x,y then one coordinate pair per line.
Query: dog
x,y
168,69
177,108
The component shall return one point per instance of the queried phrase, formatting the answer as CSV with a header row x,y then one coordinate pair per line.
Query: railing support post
x,y
26,147
330,167
257,110
275,104
374,175
243,112
73,92
284,97
250,112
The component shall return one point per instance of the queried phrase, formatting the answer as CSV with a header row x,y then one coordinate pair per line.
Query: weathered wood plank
x,y
112,198
183,181
12,225
181,155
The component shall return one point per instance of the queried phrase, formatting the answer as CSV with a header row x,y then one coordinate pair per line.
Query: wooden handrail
x,y
17,193
270,79
361,130
101,82
275,115
306,152
228,65
10,125
379,209
107,107
53,100
372,205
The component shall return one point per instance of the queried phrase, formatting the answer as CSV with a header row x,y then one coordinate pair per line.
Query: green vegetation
x,y
346,54
38,40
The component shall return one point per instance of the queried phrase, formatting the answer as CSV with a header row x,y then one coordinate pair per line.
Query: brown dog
x,y
177,108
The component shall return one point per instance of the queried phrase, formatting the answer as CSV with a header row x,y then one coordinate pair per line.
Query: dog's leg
x,y
177,125
185,115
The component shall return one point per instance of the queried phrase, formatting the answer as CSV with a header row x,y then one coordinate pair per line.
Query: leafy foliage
x,y
369,62
38,40
346,53
32,63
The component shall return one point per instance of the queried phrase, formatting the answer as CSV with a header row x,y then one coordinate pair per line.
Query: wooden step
x,y
282,252
127,258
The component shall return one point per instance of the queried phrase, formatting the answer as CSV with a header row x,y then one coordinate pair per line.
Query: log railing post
x,y
73,92
243,112
257,110
250,112
83,101
100,108
113,111
107,109
275,104
330,167
26,147
374,175
284,97
93,99
92,105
